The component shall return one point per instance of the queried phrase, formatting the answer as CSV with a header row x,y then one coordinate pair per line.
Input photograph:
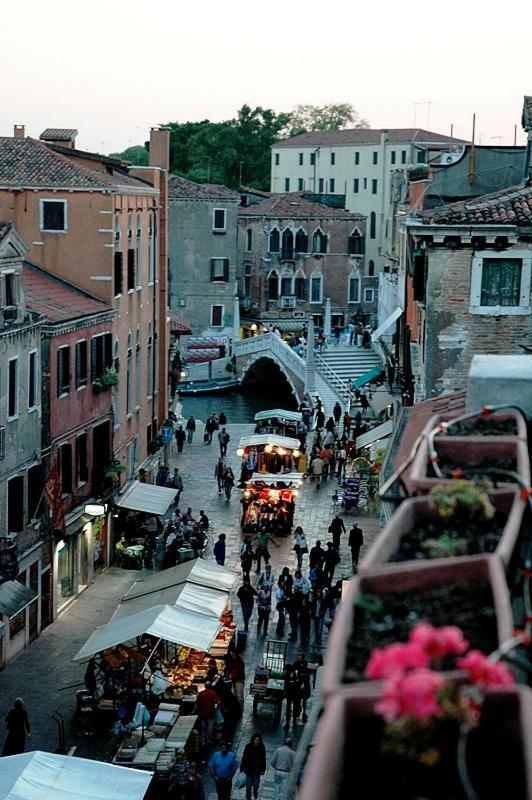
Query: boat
x,y
191,388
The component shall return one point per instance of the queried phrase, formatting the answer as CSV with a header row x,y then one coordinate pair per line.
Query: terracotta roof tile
x,y
366,136
182,189
512,206
58,300
59,134
294,204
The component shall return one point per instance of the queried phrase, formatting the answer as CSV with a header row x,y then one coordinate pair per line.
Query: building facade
x,y
25,556
202,235
294,255
357,166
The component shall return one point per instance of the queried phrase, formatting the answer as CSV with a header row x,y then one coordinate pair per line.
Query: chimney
x,y
160,148
19,132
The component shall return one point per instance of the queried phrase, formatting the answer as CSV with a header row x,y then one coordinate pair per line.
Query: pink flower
x,y
483,671
395,659
439,642
412,695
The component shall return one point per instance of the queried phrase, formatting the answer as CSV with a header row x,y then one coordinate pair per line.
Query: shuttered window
x,y
219,270
118,273
131,269
101,354
63,370
32,380
81,364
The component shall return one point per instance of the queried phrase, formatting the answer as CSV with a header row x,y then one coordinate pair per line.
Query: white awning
x,y
190,596
272,439
279,413
203,573
380,400
49,776
379,432
394,316
170,623
148,498
286,478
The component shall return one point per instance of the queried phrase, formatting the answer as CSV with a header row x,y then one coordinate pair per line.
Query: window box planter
x,y
469,592
389,550
106,380
346,761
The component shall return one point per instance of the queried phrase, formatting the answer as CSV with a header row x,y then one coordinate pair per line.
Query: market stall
x,y
279,421
267,453
137,511
268,503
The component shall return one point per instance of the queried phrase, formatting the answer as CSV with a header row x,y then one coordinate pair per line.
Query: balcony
x,y
287,302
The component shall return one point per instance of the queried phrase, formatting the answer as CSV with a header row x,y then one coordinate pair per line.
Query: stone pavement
x,y
41,671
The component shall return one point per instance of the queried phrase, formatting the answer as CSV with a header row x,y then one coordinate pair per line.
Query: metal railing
x,y
335,382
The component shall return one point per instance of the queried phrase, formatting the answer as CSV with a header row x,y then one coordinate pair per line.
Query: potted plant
x,y
381,606
114,470
455,520
107,379
424,732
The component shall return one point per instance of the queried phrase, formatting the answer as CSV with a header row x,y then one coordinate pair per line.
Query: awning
x,y
2,629
368,377
179,325
204,573
394,316
270,438
188,595
164,622
147,497
287,478
14,597
279,413
379,432
380,400
40,776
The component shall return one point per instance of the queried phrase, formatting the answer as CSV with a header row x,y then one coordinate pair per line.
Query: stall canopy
x,y
380,400
188,595
14,596
170,623
197,571
49,776
368,377
148,498
379,432
394,316
283,477
272,439
274,413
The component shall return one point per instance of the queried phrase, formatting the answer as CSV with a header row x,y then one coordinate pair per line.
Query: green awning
x,y
368,377
14,597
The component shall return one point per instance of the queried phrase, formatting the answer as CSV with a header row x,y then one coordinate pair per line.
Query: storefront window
x,y
66,563
17,623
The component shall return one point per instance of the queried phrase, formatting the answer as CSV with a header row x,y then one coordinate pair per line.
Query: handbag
x,y
240,780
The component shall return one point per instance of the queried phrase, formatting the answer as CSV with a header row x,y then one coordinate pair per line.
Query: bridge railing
x,y
339,385
270,342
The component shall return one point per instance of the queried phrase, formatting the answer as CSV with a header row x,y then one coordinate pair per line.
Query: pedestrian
x,y
304,620
219,473
347,423
282,763
229,482
90,677
194,787
316,555
331,559
317,470
261,549
300,546
316,577
293,605
320,419
303,675
264,607
356,540
203,521
178,776
206,705
237,673
318,609
223,765
219,550
246,556
337,412
247,594
177,483
18,725
190,427
292,693
253,763
223,439
180,437
366,337
340,462
336,334
279,599
364,398
209,427
266,578
222,419
337,527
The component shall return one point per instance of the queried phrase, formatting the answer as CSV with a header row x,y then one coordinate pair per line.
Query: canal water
x,y
239,407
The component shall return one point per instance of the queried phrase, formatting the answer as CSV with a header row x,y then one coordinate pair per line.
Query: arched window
x,y
355,243
139,251
301,241
371,268
129,229
319,241
353,287
273,286
137,370
117,232
128,376
300,285
274,242
316,287
286,283
372,225
287,244
249,240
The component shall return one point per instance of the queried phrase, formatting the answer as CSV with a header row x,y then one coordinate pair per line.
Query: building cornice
x,y
439,232
60,328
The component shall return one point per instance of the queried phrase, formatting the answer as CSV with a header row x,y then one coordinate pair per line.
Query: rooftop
x,y
367,136
182,189
56,299
526,118
30,164
5,227
294,204
512,206
59,134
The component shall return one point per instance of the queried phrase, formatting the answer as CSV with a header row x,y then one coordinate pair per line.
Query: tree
x,y
137,155
331,117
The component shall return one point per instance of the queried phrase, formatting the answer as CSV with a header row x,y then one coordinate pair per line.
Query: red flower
x,y
395,659
414,694
484,672
439,642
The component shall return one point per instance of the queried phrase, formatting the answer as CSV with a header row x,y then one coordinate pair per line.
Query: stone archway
x,y
261,369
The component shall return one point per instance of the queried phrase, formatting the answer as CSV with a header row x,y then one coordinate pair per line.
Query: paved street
x,y
40,672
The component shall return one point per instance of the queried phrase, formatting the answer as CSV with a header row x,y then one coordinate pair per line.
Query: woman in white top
x,y
300,545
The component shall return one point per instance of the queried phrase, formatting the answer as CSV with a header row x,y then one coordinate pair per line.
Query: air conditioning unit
x,y
298,314
288,302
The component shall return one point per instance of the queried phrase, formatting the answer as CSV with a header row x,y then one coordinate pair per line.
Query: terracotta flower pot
x,y
475,424
345,762
471,571
421,509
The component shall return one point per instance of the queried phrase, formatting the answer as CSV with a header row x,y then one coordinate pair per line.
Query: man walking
x,y
219,474
282,763
247,594
356,540
191,427
317,612
337,527
177,483
219,550
180,437
331,559
223,765
224,439
206,704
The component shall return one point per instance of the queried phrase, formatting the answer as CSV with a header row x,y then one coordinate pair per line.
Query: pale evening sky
x,y
112,69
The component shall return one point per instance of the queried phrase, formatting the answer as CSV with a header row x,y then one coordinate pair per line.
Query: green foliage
x,y
330,117
444,547
136,155
462,498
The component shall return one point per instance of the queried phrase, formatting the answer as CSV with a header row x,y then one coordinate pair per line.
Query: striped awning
x,y
179,325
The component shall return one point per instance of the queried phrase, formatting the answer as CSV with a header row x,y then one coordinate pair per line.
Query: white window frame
x,y
17,393
216,229
477,263
30,353
223,259
369,295
353,274
44,200
217,305
315,274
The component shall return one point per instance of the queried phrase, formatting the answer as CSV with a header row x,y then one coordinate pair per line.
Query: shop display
x,y
268,504
267,454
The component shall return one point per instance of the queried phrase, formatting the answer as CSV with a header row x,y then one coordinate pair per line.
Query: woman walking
x,y
18,725
300,546
229,482
253,764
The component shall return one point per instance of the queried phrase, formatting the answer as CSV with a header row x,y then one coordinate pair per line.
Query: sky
x,y
113,69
